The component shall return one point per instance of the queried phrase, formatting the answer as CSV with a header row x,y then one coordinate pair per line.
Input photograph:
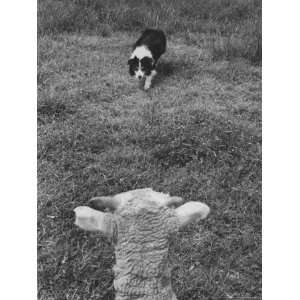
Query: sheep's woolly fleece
x,y
140,228
142,270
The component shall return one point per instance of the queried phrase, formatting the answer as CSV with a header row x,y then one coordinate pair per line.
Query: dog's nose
x,y
140,77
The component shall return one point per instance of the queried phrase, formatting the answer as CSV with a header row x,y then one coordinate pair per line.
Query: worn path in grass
x,y
195,134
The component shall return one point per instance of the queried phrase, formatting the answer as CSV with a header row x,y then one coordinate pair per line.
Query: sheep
x,y
139,224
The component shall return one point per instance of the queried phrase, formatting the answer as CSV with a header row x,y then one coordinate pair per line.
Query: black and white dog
x,y
146,52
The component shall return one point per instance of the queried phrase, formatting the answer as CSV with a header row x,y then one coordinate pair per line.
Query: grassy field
x,y
195,134
228,28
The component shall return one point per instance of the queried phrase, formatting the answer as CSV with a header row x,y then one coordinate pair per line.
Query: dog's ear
x,y
147,65
147,62
131,71
133,61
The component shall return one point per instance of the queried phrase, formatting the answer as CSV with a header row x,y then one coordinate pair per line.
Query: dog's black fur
x,y
155,40
133,65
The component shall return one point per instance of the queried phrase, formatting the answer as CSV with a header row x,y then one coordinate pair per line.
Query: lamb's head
x,y
140,223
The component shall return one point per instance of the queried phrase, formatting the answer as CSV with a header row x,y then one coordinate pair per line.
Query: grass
x,y
195,134
227,28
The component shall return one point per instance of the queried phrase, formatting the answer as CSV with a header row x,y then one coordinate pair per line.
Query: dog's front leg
x,y
149,78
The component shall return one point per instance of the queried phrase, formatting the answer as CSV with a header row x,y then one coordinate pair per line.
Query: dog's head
x,y
140,67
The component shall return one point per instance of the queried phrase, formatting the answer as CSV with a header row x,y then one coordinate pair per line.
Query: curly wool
x,y
142,269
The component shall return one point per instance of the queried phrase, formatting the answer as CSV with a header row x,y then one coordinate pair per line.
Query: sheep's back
x,y
142,270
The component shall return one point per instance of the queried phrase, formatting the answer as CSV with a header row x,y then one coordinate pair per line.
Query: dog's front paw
x,y
147,87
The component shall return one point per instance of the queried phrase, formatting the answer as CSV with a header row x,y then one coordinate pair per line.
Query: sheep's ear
x,y
191,211
174,201
100,203
92,220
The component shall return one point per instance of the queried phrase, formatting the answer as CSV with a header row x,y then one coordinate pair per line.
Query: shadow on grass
x,y
54,109
172,68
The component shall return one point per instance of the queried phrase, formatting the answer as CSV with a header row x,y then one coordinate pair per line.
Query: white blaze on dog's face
x,y
139,74
141,63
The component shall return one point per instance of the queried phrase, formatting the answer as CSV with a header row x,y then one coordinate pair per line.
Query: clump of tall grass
x,y
232,27
68,16
244,42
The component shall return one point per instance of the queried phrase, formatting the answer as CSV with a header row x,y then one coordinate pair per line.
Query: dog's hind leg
x,y
148,80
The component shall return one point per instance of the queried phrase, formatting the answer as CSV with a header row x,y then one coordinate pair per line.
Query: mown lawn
x,y
195,134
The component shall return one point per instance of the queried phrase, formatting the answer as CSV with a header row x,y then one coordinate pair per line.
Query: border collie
x,y
146,52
